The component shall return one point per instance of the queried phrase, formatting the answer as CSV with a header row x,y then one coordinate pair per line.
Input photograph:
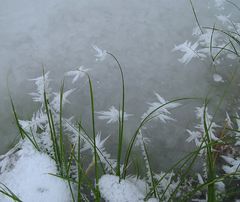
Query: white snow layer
x,y
25,171
124,191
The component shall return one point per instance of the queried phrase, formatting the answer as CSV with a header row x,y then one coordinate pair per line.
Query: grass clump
x,y
82,159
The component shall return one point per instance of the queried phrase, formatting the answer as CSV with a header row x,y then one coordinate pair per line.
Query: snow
x,y
114,191
217,78
25,171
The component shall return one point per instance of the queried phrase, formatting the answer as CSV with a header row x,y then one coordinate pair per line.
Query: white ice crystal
x,y
42,84
112,115
194,136
190,51
217,78
39,119
101,54
234,165
196,31
228,121
210,124
237,133
163,112
109,163
219,4
76,74
224,19
55,103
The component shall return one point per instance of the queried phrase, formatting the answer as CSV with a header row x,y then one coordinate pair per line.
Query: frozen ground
x,y
58,35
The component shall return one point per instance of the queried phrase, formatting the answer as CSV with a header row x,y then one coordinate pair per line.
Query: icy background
x,y
58,35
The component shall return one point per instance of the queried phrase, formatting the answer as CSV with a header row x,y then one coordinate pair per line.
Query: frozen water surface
x,y
59,35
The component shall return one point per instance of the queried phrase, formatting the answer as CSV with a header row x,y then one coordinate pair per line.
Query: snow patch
x,y
25,171
114,191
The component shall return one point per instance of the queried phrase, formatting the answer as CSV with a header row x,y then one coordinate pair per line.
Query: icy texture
x,y
113,191
25,172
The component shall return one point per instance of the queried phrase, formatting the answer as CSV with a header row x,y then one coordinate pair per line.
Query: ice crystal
x,y
218,78
224,19
55,103
112,115
42,84
234,165
109,163
76,74
163,112
101,54
190,51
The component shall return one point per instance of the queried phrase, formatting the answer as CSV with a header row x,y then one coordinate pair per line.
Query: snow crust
x,y
124,191
25,171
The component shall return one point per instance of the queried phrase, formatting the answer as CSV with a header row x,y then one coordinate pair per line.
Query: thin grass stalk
x,y
226,49
79,169
222,49
235,5
211,168
195,16
94,139
60,125
55,143
211,43
16,118
67,167
8,193
22,132
50,128
155,193
226,33
121,123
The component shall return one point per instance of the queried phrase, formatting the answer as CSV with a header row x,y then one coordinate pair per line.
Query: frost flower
x,y
42,84
38,121
112,115
56,100
224,19
76,74
101,54
105,157
210,124
234,165
194,136
189,50
163,112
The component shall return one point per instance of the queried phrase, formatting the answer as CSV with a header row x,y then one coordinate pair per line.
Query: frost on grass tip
x,y
112,115
76,74
163,113
101,54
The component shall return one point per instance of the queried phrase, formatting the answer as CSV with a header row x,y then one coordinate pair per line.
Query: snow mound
x,y
25,171
124,191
